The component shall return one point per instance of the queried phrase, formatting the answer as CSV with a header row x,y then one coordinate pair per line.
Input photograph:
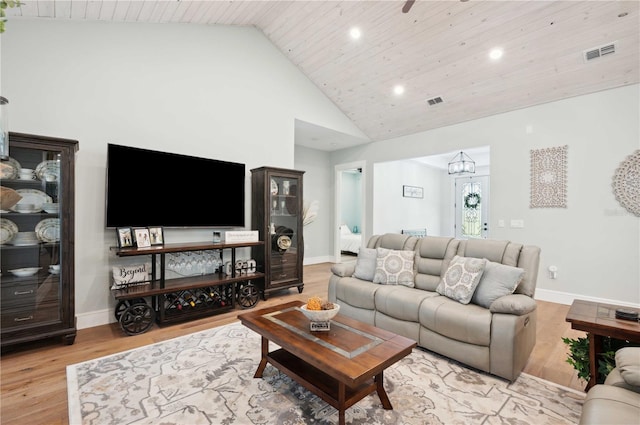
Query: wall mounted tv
x,y
152,188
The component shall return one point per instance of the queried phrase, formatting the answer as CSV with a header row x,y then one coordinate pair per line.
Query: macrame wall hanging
x,y
549,177
626,183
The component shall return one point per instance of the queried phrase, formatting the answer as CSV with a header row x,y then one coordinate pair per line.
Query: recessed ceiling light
x,y
398,89
355,33
496,53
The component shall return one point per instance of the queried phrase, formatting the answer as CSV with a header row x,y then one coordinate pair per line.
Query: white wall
x,y
594,242
217,92
393,212
318,186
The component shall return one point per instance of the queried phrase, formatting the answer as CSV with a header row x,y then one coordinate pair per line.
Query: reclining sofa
x,y
617,401
493,329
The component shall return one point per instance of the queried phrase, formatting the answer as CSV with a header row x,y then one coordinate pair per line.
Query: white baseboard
x,y
95,318
317,260
567,298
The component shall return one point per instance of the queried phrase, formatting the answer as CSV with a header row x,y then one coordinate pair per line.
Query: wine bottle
x,y
172,301
190,300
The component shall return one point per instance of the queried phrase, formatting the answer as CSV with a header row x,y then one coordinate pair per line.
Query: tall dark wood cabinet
x,y
37,240
276,203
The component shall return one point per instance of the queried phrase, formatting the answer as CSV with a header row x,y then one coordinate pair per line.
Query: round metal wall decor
x,y
626,183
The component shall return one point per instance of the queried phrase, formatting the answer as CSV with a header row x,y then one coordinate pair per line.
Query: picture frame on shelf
x,y
125,237
412,191
156,235
142,237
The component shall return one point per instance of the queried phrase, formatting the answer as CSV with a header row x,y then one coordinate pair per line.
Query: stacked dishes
x,y
51,207
32,201
26,174
25,239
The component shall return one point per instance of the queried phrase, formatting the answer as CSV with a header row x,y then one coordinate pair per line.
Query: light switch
x,y
517,224
501,223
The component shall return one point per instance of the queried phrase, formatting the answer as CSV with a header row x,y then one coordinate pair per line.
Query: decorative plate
x,y
274,187
48,230
34,197
48,171
8,229
626,183
9,168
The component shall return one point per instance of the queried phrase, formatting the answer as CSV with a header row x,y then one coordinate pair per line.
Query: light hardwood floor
x,y
33,377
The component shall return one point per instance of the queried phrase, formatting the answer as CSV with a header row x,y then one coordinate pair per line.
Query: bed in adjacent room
x,y
349,242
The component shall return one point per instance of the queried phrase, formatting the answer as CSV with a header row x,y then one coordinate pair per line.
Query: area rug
x,y
207,378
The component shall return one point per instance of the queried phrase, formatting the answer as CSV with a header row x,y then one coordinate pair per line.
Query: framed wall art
x,y
412,191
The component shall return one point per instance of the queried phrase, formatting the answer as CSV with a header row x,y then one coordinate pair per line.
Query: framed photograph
x,y
156,235
142,237
125,238
412,192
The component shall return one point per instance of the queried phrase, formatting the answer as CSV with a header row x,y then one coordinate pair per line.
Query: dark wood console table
x,y
599,320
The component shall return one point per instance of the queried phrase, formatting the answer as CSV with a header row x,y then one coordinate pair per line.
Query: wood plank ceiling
x,y
438,49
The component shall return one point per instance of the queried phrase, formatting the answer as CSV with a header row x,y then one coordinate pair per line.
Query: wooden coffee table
x,y
341,366
599,320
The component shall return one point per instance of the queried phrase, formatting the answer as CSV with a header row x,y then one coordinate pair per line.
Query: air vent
x,y
434,101
598,52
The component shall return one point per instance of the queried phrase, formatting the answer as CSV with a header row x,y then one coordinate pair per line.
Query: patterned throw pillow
x,y
394,267
461,278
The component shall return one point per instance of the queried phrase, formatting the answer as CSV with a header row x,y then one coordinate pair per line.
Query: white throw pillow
x,y
366,264
461,278
497,280
394,267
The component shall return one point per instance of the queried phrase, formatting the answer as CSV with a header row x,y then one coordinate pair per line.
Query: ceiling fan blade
x,y
407,6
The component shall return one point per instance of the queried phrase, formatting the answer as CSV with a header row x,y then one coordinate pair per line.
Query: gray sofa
x,y
495,338
617,401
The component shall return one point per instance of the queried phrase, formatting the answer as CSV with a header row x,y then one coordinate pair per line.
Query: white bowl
x,y
320,315
51,207
26,208
26,271
26,236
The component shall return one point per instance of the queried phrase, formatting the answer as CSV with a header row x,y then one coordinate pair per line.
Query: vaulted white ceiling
x,y
437,49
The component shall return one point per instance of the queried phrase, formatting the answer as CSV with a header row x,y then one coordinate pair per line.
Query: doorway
x,y
471,207
349,217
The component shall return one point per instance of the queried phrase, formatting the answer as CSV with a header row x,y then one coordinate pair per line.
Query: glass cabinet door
x,y
277,215
283,202
31,261
36,250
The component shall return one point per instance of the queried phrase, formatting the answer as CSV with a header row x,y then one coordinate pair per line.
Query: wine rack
x,y
208,292
181,303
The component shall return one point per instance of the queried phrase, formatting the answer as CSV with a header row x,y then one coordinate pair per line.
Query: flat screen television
x,y
152,188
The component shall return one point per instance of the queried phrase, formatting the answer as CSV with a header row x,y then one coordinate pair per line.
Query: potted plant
x,y
579,356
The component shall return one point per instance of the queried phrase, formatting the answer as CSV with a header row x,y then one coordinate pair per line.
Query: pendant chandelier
x,y
461,163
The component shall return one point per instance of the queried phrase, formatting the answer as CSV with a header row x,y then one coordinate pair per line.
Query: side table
x,y
599,320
